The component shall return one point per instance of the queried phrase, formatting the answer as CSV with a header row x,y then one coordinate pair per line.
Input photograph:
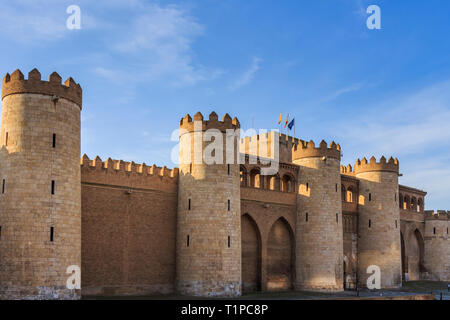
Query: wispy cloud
x,y
415,127
31,21
247,77
336,94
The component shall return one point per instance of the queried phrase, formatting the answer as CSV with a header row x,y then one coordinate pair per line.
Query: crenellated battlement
x,y
347,170
187,123
16,83
131,167
392,165
309,150
438,215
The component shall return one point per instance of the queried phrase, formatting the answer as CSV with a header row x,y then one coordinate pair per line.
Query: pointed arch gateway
x,y
280,256
415,255
251,254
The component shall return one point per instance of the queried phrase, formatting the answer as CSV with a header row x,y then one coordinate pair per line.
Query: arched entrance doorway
x,y
404,265
251,255
415,255
280,256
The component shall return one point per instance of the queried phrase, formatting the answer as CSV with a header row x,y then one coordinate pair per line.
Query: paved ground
x,y
408,288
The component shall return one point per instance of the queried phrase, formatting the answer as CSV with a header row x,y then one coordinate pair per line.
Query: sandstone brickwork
x,y
209,219
319,231
40,204
216,226
437,246
379,221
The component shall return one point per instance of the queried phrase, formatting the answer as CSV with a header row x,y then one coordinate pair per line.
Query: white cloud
x,y
335,95
26,21
415,127
247,77
164,36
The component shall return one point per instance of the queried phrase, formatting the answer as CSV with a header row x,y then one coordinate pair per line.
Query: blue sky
x,y
144,64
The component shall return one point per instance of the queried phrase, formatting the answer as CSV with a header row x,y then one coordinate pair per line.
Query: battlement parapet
x,y
187,123
16,83
438,215
131,167
347,170
308,150
392,165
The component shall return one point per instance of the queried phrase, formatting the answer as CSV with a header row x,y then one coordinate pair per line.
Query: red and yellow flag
x,y
287,121
279,120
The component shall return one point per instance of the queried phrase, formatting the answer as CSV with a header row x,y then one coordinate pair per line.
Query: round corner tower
x,y
319,243
40,196
379,221
437,245
208,222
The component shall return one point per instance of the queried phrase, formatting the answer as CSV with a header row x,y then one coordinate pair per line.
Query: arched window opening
x,y
255,178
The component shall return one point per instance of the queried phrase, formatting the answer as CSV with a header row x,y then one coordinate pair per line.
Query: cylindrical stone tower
x,y
319,236
379,221
40,215
208,225
437,245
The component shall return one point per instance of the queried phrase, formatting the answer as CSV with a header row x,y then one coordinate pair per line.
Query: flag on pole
x,y
291,124
279,121
287,121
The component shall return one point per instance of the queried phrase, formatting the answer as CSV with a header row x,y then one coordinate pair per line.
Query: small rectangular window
x,y
370,223
306,217
53,186
229,204
434,230
396,224
229,170
336,187
190,168
370,197
52,233
307,186
6,139
229,241
189,204
3,185
187,241
337,217
54,140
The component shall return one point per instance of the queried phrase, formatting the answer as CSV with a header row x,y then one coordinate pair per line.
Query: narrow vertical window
x,y
190,168
53,186
229,169
337,218
54,140
189,204
6,139
187,241
336,188
434,230
229,204
370,197
229,241
370,223
52,234
3,185
306,217
396,225
307,186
